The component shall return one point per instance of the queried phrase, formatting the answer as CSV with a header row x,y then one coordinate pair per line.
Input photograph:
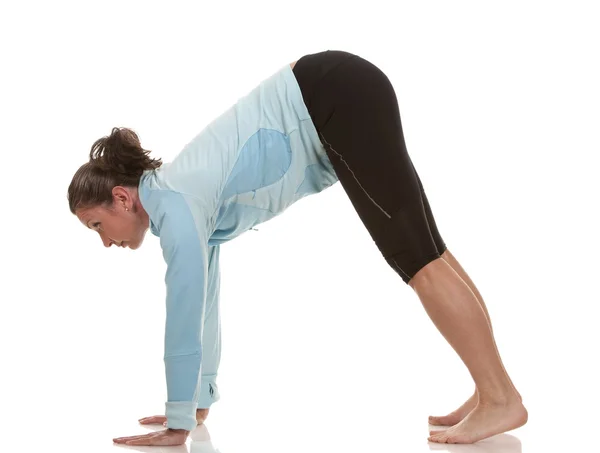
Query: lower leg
x,y
460,413
457,314
459,317
455,311
453,262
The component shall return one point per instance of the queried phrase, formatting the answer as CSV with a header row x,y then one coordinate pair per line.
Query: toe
x,y
446,420
451,440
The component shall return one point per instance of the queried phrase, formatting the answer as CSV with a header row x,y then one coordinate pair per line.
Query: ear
x,y
121,197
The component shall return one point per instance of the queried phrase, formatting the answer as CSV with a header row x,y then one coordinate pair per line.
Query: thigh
x,y
433,229
358,121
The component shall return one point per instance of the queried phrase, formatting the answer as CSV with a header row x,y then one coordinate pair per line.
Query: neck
x,y
138,208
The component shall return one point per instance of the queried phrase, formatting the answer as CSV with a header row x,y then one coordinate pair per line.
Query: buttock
x,y
310,72
355,111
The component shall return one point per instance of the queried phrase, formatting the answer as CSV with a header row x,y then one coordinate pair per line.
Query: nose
x,y
106,241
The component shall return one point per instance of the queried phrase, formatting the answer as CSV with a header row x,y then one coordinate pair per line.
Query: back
x,y
251,163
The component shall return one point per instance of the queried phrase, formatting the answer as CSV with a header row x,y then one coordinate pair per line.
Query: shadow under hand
x,y
501,443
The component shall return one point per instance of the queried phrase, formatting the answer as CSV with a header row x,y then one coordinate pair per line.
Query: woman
x,y
329,116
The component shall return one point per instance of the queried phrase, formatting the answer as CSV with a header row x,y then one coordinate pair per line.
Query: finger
x,y
140,442
151,417
157,438
164,439
122,440
155,419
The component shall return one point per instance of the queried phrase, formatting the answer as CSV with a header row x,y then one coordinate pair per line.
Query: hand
x,y
162,438
201,415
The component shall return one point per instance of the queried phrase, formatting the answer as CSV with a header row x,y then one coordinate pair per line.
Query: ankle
x,y
506,398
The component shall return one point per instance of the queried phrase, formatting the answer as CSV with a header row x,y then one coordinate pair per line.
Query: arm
x,y
184,241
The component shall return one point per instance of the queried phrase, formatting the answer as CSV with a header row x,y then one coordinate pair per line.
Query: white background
x,y
324,347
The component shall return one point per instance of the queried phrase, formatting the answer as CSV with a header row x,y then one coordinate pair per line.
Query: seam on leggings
x,y
396,263
374,202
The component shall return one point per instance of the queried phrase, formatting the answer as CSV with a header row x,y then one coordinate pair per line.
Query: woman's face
x,y
124,224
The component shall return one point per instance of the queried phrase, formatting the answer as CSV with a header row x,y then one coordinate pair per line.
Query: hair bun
x,y
121,152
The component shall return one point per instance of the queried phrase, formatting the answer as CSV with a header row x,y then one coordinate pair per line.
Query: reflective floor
x,y
200,441
231,427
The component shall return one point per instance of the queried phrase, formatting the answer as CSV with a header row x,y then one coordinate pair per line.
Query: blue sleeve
x,y
184,241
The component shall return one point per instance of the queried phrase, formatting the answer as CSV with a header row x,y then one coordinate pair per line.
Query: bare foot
x,y
484,421
459,414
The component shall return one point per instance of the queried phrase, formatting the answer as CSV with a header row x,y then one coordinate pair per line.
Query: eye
x,y
95,225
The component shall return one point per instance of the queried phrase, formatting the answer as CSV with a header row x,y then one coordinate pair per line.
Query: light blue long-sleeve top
x,y
247,166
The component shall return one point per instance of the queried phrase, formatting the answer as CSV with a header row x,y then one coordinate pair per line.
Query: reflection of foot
x,y
502,443
484,421
458,415
201,415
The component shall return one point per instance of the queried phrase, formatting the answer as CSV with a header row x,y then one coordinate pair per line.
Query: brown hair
x,y
115,160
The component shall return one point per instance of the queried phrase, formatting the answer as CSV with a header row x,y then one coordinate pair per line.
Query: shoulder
x,y
177,215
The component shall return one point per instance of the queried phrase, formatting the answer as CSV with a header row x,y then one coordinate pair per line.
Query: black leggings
x,y
355,111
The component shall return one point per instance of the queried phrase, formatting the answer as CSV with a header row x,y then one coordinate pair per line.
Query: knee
x,y
411,270
427,272
446,255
